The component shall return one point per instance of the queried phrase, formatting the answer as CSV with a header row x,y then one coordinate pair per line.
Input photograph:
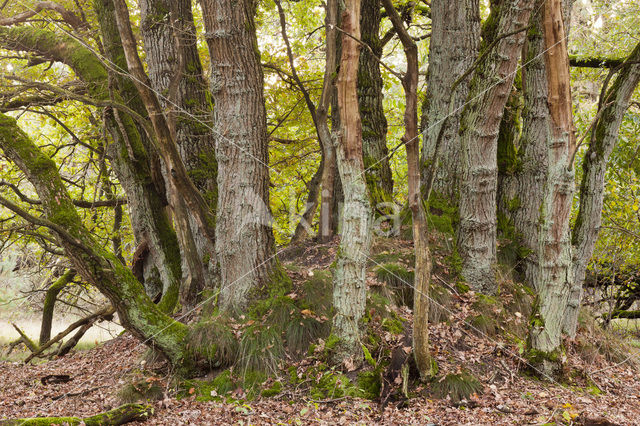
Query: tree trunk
x,y
245,244
98,267
613,106
420,238
547,178
130,155
350,288
50,302
174,66
118,416
480,122
374,122
453,48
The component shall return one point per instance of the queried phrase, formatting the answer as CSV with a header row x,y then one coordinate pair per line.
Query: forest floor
x,y
599,388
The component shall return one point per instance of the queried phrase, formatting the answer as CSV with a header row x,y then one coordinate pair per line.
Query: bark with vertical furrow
x,y
245,244
479,126
453,48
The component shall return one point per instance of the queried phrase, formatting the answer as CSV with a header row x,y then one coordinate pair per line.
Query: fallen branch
x,y
118,416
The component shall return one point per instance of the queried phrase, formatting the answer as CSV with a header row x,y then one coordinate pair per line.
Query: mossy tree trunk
x,y
374,122
613,105
118,416
350,288
453,48
245,244
50,298
130,154
169,36
97,266
479,127
420,238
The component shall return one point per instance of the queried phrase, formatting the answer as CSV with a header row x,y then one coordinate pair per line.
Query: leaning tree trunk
x,y
245,244
175,69
50,298
350,288
455,35
97,266
423,264
613,106
480,122
130,152
374,122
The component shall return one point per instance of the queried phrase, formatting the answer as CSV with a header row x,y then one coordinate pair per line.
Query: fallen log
x,y
118,416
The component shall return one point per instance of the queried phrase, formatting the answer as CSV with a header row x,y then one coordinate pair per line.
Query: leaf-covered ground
x,y
600,386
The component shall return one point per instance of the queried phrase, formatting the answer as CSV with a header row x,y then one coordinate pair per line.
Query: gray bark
x,y
245,244
604,137
455,35
480,122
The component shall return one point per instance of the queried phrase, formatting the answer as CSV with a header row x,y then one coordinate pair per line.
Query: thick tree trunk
x,y
350,288
420,238
174,66
603,139
374,122
245,244
547,178
455,35
118,416
50,298
98,267
480,122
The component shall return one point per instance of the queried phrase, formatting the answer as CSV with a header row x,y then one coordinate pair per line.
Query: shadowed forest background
x,y
431,205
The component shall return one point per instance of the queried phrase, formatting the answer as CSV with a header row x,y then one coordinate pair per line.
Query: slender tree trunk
x,y
455,35
245,244
420,238
303,229
50,299
350,288
374,122
613,105
480,122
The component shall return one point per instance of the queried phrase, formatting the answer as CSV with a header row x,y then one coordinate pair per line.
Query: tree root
x,y
118,416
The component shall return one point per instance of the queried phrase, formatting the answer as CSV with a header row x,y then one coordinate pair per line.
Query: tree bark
x,y
374,122
245,244
613,105
118,416
480,122
455,35
174,66
350,288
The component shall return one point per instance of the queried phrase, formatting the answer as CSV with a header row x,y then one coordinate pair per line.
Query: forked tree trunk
x,y
50,298
613,105
479,126
374,122
420,238
245,245
453,48
350,288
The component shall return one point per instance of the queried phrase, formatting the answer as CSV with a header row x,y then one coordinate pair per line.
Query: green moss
x,y
144,390
399,281
214,341
483,324
273,390
441,214
369,384
457,386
